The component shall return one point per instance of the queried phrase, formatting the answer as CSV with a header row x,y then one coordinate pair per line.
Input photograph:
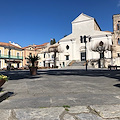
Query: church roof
x,y
68,37
82,17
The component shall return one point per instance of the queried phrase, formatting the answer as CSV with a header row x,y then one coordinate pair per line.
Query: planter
x,y
33,70
2,81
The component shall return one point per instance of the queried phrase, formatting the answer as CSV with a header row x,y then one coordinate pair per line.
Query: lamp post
x,y
9,59
85,52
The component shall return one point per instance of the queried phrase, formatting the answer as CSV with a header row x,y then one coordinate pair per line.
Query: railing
x,y
10,57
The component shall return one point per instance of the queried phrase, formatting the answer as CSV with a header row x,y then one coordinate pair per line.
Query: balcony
x,y
10,57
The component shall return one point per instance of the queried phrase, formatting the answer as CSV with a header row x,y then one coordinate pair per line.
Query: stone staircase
x,y
78,63
75,65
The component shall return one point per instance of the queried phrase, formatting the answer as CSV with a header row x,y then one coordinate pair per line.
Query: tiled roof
x,y
41,45
9,45
35,46
108,31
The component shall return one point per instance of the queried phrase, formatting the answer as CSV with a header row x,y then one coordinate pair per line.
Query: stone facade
x,y
116,36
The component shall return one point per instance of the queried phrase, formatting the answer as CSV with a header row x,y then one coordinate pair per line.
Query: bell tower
x,y
116,35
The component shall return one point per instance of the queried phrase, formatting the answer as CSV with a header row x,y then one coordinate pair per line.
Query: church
x,y
86,44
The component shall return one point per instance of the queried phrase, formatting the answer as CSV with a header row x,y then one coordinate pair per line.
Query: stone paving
x,y
59,113
91,95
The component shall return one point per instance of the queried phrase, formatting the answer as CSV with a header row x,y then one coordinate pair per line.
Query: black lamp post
x,y
9,59
85,52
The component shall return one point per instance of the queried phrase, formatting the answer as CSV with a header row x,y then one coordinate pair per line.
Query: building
x,y
10,55
33,50
116,40
84,44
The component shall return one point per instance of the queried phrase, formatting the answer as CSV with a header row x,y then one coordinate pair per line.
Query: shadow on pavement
x,y
117,85
17,75
23,74
94,73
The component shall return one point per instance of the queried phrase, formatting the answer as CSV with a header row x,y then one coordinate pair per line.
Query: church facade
x,y
83,44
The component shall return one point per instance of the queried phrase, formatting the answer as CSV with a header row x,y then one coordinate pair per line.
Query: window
x,y
118,25
83,56
17,55
118,54
67,47
81,39
52,56
0,52
89,39
118,41
9,53
67,57
30,54
63,64
44,63
44,55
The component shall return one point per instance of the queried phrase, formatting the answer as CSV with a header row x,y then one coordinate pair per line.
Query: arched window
x,y
118,41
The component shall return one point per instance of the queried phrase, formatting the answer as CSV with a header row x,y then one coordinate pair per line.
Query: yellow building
x,y
11,55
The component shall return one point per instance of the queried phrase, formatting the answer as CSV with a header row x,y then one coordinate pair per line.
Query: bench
x,y
114,67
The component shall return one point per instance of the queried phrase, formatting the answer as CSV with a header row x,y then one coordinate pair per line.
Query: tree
x,y
54,49
53,41
101,47
33,59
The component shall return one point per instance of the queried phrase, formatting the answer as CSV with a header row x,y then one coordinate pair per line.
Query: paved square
x,y
62,87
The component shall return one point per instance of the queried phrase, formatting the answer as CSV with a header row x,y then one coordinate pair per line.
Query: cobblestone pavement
x,y
91,95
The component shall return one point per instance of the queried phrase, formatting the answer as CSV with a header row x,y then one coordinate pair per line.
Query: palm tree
x,y
33,59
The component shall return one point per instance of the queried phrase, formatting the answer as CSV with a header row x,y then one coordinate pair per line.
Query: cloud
x,y
118,4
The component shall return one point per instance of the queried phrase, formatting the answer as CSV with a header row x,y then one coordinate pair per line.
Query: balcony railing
x,y
10,57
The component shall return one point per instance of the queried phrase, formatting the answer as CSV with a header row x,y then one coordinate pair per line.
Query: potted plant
x,y
33,61
3,79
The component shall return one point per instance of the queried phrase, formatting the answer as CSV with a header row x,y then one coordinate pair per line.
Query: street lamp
x,y
85,41
9,59
85,52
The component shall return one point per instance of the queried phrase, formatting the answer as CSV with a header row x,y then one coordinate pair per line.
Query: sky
x,y
28,22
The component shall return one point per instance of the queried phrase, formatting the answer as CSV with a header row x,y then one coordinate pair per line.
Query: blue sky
x,y
37,21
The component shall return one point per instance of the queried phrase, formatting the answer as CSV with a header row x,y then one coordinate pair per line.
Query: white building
x,y
72,47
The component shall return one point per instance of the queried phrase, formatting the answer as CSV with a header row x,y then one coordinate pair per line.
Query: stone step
x,y
82,63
